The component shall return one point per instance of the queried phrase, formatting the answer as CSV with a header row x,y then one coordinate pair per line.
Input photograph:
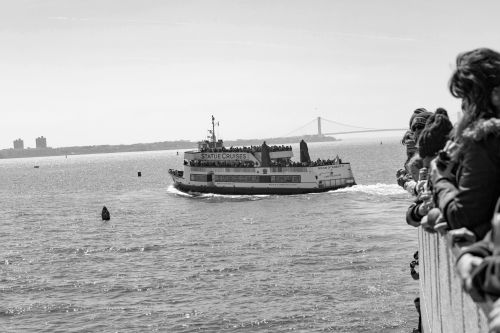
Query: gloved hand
x,y
401,172
403,179
425,224
421,186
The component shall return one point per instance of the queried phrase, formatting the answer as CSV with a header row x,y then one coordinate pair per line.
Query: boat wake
x,y
375,189
216,197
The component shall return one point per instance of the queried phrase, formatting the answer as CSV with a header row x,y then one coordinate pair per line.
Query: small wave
x,y
87,250
172,190
227,197
40,308
375,189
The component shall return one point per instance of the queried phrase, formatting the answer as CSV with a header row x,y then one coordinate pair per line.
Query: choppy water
x,y
172,262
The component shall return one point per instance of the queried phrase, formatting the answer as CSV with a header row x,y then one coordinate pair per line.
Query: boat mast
x,y
213,129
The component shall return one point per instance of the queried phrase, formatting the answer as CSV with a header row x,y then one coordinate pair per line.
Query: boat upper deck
x,y
213,154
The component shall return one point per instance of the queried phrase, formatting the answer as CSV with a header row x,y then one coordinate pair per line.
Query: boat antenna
x,y
213,129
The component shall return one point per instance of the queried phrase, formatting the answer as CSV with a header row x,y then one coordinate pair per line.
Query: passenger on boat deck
x,y
431,141
224,164
251,149
466,176
251,164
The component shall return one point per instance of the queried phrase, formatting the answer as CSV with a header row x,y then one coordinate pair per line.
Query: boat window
x,y
265,179
253,178
198,177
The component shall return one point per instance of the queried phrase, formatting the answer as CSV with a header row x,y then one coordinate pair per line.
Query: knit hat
x,y
415,113
441,111
420,119
434,135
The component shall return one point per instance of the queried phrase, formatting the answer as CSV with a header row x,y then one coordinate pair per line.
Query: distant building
x,y
41,142
18,144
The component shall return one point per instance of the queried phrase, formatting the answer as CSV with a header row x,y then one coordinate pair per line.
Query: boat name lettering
x,y
223,156
329,167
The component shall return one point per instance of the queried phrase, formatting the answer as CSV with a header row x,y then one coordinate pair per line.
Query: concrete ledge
x,y
444,306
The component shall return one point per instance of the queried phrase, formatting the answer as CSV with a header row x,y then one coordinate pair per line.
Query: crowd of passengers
x,y
221,164
244,149
251,164
318,162
454,173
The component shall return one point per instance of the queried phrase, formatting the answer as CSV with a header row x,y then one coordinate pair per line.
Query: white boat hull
x,y
286,180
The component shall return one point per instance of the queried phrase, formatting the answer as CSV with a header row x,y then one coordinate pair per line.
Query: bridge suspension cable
x,y
346,125
298,129
350,128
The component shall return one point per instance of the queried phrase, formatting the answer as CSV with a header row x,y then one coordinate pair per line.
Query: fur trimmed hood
x,y
482,129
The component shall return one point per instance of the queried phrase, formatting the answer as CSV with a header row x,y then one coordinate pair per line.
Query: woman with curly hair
x,y
466,178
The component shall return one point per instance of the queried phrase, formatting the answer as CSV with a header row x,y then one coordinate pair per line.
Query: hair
x,y
435,134
476,75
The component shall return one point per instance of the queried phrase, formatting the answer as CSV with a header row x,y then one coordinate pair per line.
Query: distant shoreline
x,y
165,145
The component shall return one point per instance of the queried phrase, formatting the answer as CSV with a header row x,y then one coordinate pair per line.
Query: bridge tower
x,y
319,126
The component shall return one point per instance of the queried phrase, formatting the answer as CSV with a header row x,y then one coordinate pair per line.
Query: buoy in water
x,y
139,174
105,214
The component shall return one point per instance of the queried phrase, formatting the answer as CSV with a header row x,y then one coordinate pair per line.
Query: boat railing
x,y
444,306
215,168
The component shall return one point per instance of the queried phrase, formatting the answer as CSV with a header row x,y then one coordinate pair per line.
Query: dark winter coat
x,y
469,199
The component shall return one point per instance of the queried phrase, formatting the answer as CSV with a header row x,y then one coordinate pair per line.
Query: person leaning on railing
x,y
466,175
408,176
431,141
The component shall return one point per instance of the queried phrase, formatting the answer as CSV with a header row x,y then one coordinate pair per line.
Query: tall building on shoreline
x,y
41,142
18,144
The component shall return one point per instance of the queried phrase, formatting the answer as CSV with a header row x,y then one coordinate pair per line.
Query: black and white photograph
x,y
250,166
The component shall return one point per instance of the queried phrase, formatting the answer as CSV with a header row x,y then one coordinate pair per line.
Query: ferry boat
x,y
264,169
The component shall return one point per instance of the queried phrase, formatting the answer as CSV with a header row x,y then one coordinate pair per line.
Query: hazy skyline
x,y
122,71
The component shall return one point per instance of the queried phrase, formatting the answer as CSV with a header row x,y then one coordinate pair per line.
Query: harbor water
x,y
172,262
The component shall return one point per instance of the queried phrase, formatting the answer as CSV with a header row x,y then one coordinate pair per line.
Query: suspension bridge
x,y
339,128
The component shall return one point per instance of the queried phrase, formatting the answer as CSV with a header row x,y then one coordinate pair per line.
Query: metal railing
x,y
444,306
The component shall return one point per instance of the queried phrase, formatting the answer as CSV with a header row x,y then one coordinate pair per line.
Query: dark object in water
x,y
139,174
36,166
105,214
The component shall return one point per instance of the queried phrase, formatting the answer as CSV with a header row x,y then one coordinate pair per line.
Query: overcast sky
x,y
84,72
